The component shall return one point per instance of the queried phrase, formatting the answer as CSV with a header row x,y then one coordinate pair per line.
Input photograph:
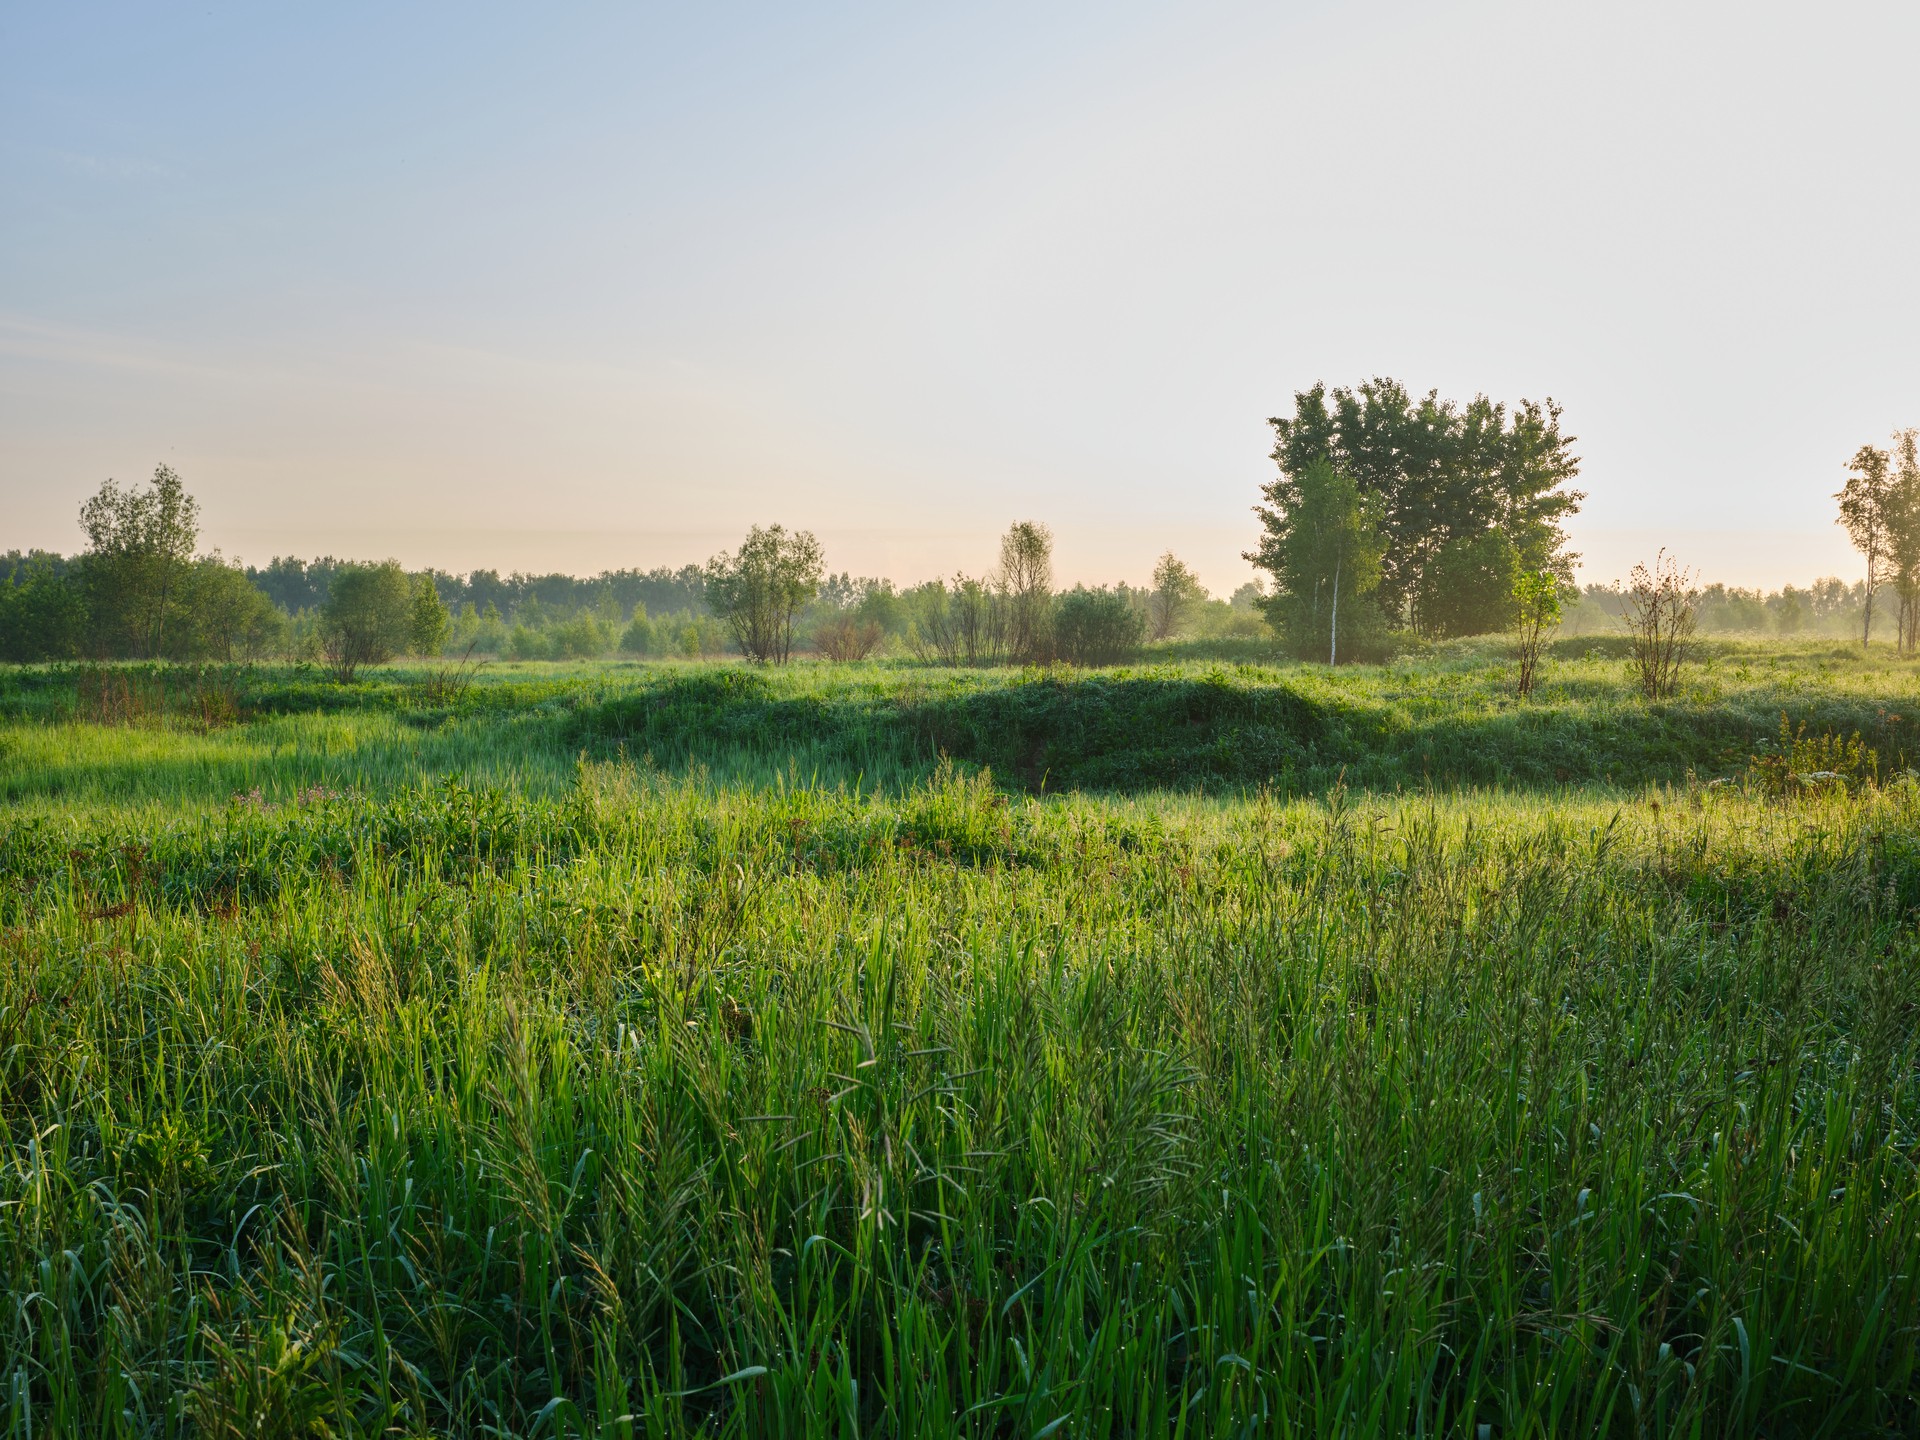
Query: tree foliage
x,y
1440,473
1537,601
1096,626
1903,535
140,544
1869,511
428,620
138,590
1176,594
43,613
368,617
1468,586
1025,584
1327,563
758,590
222,615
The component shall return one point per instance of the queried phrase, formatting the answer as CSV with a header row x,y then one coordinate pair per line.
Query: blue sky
x,y
579,286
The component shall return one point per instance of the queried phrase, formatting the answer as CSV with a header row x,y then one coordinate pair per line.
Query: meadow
x,y
1203,1047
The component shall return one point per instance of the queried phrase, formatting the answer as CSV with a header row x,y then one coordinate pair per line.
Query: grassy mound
x,y
1296,729
1040,730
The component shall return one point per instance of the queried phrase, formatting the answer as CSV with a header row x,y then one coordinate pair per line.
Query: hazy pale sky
x,y
571,286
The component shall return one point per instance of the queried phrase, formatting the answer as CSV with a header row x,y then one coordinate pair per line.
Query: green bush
x,y
1096,627
638,638
581,638
526,643
43,615
368,617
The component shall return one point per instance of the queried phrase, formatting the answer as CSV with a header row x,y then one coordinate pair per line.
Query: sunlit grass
x,y
480,1076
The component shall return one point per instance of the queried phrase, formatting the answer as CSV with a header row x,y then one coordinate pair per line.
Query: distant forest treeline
x,y
663,612
1826,607
1395,520
295,585
641,613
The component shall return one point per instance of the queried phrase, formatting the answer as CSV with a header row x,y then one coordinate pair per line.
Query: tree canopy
x,y
1880,510
1442,473
140,545
1176,591
758,589
1025,583
368,618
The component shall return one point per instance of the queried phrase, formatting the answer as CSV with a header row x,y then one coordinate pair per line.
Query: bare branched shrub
x,y
964,623
980,620
929,635
1658,606
846,637
108,696
448,684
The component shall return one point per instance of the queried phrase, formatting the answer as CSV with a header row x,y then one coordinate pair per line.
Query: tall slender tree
x,y
1866,510
1025,583
1903,534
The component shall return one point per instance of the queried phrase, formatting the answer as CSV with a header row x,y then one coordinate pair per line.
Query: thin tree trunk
x,y
1333,637
160,616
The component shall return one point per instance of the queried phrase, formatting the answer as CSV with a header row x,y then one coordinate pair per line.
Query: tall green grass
x,y
525,1084
1449,720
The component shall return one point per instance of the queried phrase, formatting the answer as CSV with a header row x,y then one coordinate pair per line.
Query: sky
x,y
588,286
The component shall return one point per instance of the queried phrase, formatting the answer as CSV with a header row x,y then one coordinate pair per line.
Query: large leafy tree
x,y
758,589
368,617
1441,472
139,560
